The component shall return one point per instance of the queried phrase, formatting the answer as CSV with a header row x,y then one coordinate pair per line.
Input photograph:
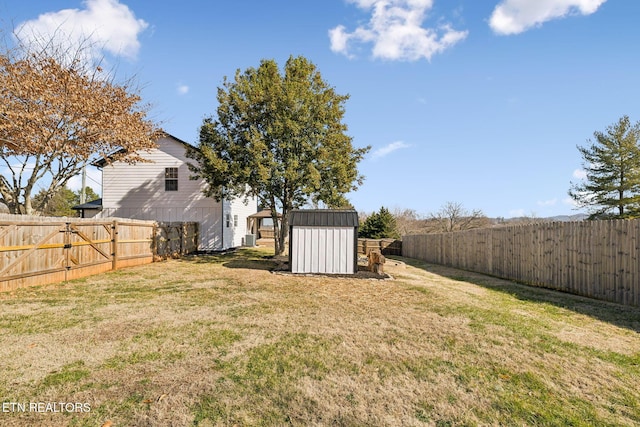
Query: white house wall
x,y
322,250
208,218
138,191
237,230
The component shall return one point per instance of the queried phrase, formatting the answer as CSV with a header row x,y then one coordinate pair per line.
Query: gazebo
x,y
260,224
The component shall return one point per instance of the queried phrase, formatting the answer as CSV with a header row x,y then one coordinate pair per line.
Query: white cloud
x,y
580,174
550,202
396,32
516,16
339,40
103,25
517,213
183,89
388,149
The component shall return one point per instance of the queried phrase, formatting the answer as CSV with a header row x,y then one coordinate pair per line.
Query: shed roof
x,y
94,204
323,218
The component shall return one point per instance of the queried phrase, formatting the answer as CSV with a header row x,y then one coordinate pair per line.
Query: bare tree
x,y
58,113
408,221
454,217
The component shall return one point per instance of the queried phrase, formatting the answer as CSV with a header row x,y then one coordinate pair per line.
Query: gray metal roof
x,y
323,218
94,204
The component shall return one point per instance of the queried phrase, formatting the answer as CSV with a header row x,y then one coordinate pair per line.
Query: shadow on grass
x,y
264,259
627,317
255,259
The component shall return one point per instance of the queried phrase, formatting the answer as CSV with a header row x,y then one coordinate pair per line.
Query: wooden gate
x,y
55,250
32,249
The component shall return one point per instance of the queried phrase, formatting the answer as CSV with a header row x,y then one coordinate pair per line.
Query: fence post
x,y
197,235
183,238
114,245
66,249
154,241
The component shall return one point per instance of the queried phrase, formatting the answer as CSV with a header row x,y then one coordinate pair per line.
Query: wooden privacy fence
x,y
173,239
40,250
598,259
385,246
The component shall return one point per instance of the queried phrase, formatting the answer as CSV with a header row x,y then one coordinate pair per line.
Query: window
x,y
229,222
171,179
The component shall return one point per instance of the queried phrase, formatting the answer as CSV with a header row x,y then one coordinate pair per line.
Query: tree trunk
x,y
282,235
28,209
276,233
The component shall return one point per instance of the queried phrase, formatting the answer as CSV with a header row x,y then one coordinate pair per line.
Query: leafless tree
x,y
408,221
58,114
454,217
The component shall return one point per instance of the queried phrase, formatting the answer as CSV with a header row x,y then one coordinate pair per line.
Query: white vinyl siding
x,y
322,250
208,218
139,191
142,185
238,212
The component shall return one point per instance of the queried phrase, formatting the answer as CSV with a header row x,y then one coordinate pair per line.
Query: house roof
x,y
94,204
103,161
323,218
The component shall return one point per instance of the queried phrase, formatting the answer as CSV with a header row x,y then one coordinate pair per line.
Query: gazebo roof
x,y
265,213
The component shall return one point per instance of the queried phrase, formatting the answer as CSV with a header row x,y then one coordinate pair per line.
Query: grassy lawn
x,y
220,340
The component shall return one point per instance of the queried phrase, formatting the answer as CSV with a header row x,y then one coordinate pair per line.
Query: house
x,y
161,190
323,241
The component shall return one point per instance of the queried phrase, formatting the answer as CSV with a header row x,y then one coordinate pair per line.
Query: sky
x,y
477,102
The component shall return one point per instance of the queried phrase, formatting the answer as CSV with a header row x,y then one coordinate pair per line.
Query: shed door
x,y
322,250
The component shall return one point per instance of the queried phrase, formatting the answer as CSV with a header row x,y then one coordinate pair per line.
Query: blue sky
x,y
480,102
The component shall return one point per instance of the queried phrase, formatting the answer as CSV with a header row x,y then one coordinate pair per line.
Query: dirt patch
x,y
282,267
362,273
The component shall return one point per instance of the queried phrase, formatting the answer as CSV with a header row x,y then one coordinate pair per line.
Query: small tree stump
x,y
376,262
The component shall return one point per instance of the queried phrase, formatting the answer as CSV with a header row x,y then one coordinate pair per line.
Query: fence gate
x,y
44,252
41,250
89,248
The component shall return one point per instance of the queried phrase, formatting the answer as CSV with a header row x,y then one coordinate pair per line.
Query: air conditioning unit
x,y
250,240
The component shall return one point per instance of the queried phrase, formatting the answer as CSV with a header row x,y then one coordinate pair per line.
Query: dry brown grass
x,y
220,340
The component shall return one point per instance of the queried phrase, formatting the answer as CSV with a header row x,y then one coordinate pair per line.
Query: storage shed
x,y
323,241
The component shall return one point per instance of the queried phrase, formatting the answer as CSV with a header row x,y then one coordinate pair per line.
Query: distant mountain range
x,y
557,218
576,217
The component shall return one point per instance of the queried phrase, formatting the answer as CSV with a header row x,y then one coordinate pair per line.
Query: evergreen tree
x,y
612,165
380,225
61,203
280,137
